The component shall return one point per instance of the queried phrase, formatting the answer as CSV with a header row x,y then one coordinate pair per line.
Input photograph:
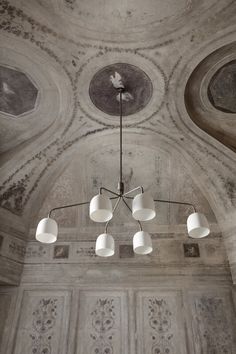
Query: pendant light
x,y
100,208
142,209
47,231
197,225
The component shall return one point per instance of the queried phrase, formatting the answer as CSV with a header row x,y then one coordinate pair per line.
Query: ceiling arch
x,y
53,97
201,96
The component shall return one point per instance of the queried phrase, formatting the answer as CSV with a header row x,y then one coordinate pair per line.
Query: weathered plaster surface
x,y
65,148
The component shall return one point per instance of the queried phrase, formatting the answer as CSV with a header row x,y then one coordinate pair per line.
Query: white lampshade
x,y
143,207
142,243
100,208
105,245
197,225
47,231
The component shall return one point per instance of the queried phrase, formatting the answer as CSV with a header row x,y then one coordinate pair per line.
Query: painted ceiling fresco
x,y
177,60
222,88
138,89
17,93
210,95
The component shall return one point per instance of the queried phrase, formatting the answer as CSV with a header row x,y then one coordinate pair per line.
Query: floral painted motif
x,y
44,319
213,329
103,320
159,317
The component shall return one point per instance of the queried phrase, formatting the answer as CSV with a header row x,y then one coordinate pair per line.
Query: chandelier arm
x,y
176,202
66,206
73,205
133,190
140,225
108,190
114,209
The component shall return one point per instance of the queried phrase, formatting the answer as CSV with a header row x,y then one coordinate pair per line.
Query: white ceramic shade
x,y
105,245
197,225
142,243
47,231
100,208
143,207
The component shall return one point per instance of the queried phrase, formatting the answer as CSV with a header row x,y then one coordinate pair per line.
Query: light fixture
x,y
197,225
47,231
143,207
100,208
105,245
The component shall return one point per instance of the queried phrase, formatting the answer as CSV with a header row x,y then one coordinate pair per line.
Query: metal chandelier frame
x,y
121,195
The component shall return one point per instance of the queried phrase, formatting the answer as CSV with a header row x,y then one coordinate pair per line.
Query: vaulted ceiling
x,y
58,113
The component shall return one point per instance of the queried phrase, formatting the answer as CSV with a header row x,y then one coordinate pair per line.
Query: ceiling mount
x,y
143,205
137,93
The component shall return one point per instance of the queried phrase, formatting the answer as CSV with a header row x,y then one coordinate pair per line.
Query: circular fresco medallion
x,y
137,94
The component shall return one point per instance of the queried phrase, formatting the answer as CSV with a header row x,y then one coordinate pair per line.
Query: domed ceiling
x,y
58,109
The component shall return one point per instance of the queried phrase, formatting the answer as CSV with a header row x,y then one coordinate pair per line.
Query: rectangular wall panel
x,y
43,322
103,322
5,303
160,326
213,319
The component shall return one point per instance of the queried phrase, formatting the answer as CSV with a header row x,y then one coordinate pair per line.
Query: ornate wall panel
x,y
159,323
213,320
43,322
103,326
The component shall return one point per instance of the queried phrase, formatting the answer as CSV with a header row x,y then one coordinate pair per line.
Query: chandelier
x,y
101,208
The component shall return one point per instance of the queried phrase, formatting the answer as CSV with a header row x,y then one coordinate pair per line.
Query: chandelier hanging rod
x,y
121,90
